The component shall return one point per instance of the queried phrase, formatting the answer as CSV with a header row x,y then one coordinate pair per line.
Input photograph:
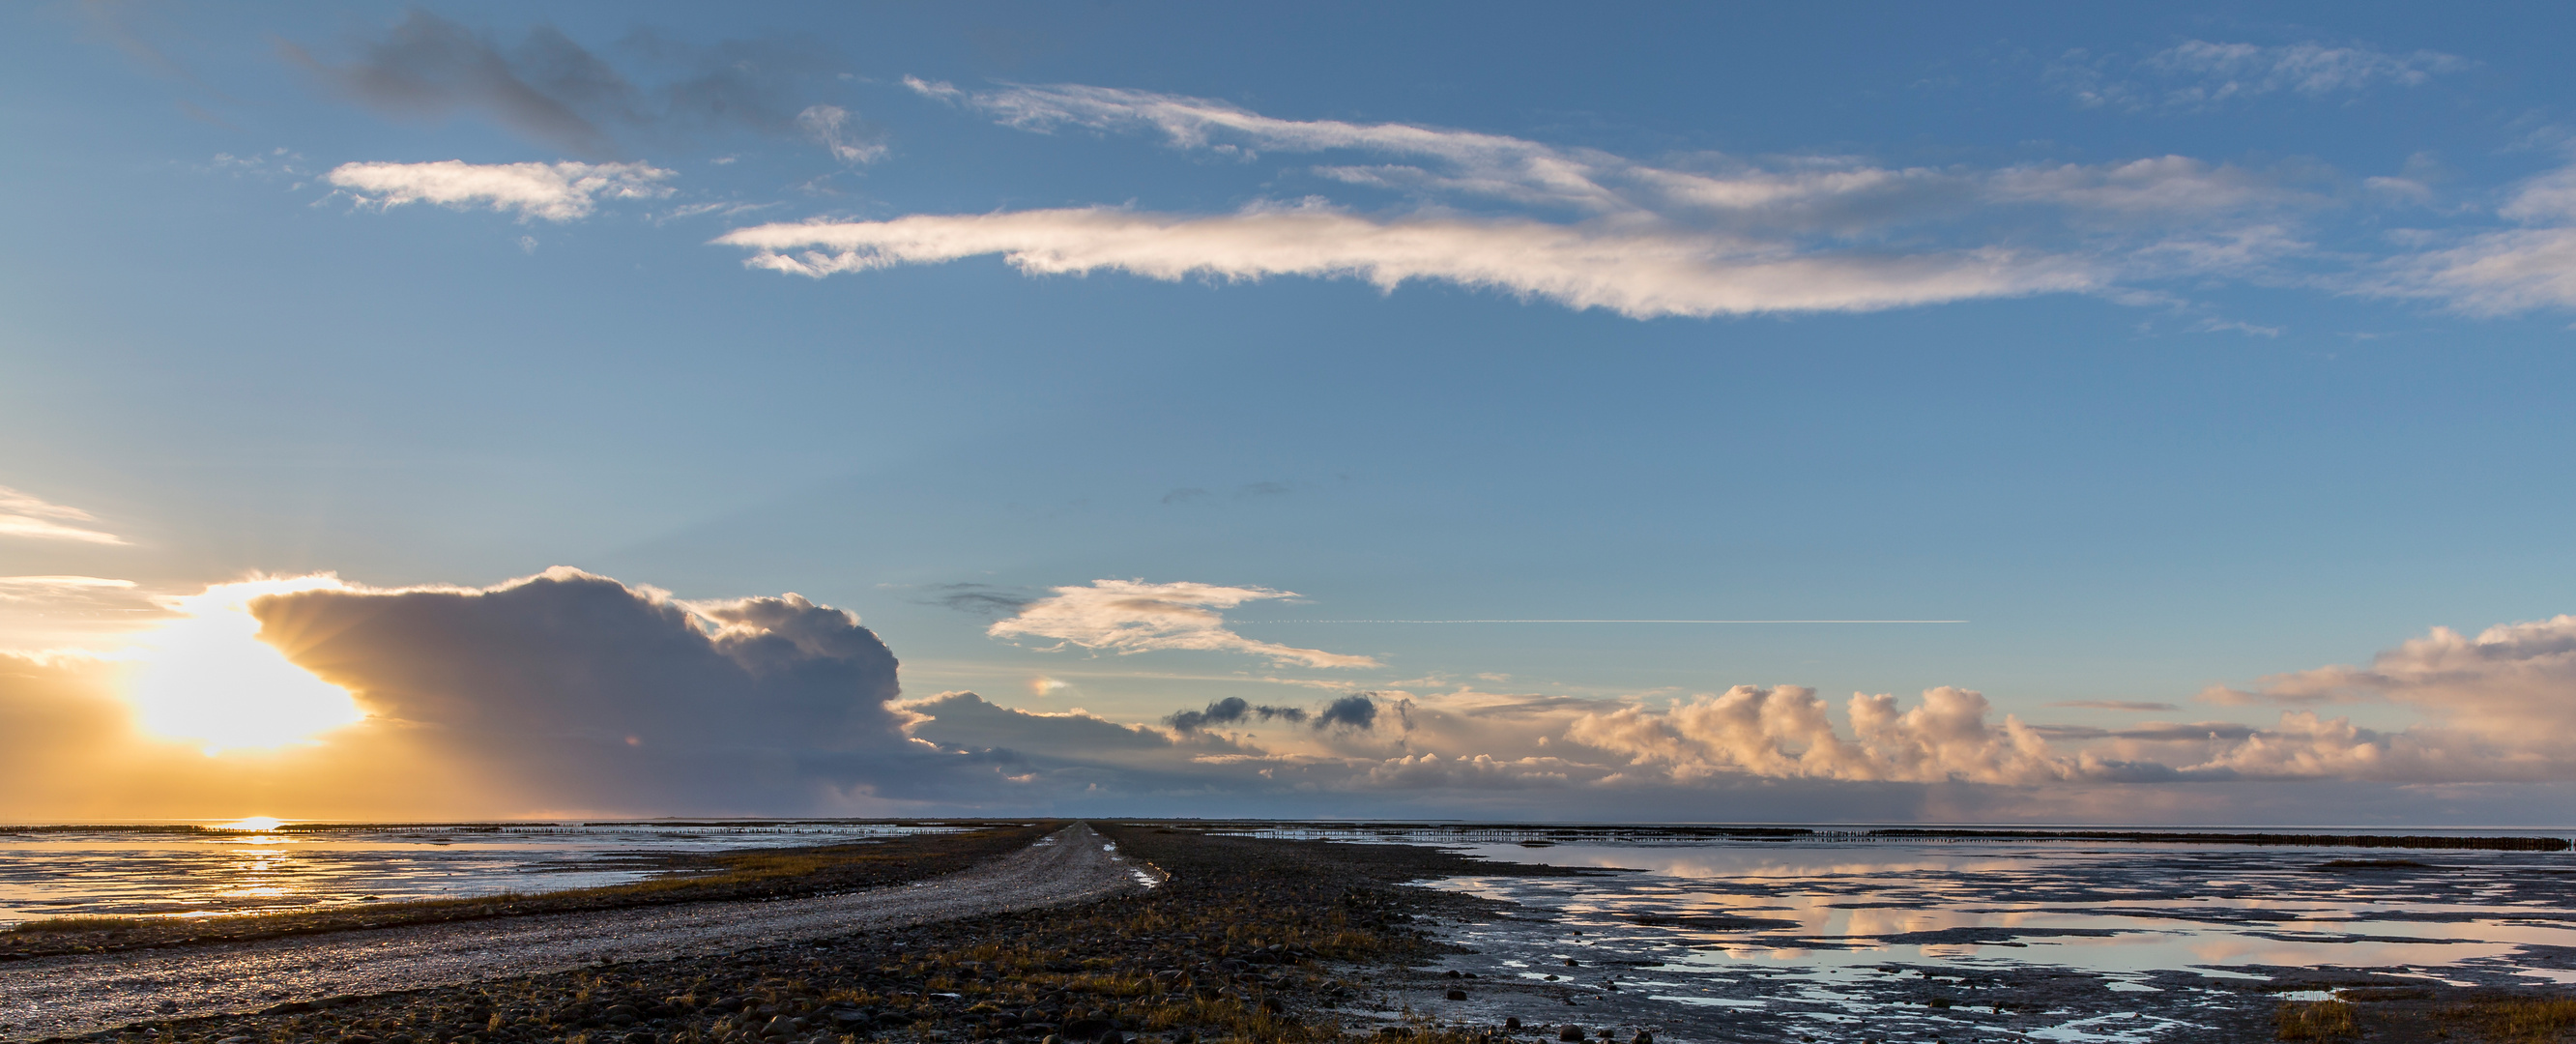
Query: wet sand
x,y
67,995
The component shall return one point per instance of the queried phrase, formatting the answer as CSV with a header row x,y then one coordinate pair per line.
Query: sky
x,y
1742,413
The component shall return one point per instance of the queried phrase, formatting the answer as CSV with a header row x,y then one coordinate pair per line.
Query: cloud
x,y
1133,616
23,588
1350,712
602,695
28,516
2198,74
1229,710
2501,272
554,92
984,600
1640,274
1784,732
832,127
554,191
1708,235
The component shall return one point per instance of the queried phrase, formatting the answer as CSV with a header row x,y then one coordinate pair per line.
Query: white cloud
x,y
2506,271
1712,235
1133,616
552,191
32,517
2197,74
2227,70
1640,273
28,588
831,127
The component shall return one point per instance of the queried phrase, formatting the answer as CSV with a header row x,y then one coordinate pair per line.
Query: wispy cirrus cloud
x,y
2198,74
29,516
1134,616
2503,271
1581,227
556,192
29,588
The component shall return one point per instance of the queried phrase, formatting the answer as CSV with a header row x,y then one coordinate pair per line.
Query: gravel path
x,y
58,996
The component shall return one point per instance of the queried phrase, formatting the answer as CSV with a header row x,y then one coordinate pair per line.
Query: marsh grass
x,y
2518,1019
80,924
2315,1020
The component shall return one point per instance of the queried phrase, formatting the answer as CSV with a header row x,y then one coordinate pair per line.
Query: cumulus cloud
x,y
31,517
551,90
2197,74
1357,712
552,191
2513,684
1714,235
579,686
1133,616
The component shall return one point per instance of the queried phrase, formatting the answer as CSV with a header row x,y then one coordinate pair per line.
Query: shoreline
x,y
1267,940
734,874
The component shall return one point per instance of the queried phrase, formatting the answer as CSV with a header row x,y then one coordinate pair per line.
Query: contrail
x,y
1606,621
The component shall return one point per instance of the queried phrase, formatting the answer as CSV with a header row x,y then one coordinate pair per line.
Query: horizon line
x,y
1247,622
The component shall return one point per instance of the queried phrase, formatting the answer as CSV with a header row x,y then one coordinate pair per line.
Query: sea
x,y
237,867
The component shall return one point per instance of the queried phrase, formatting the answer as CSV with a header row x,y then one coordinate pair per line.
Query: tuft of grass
x,y
2315,1020
78,924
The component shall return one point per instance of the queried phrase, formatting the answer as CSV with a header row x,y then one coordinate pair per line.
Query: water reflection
x,y
2050,940
147,871
2102,907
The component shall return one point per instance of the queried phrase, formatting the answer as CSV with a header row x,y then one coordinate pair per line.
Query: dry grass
x,y
2535,1020
2315,1020
79,924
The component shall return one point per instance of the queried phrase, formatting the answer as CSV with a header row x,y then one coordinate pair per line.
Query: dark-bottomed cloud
x,y
553,91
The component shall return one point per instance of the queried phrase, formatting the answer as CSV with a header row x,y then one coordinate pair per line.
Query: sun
x,y
207,677
254,824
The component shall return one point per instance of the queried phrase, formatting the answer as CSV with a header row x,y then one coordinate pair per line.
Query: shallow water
x,y
2075,940
130,872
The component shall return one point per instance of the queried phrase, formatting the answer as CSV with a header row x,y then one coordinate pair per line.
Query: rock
x,y
1457,995
1572,963
1512,1023
1571,1032
639,1037
166,1007
1642,1037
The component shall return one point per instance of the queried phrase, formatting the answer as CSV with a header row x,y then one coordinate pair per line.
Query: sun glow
x,y
258,824
207,677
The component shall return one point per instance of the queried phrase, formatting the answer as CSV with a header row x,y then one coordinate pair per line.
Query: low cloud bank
x,y
572,693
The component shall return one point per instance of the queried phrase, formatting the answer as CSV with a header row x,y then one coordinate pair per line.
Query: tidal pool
x,y
1837,936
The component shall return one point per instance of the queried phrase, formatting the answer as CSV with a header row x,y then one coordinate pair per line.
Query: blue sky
x,y
2170,349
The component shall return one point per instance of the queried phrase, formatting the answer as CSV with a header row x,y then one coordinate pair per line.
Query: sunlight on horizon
x,y
256,824
207,677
